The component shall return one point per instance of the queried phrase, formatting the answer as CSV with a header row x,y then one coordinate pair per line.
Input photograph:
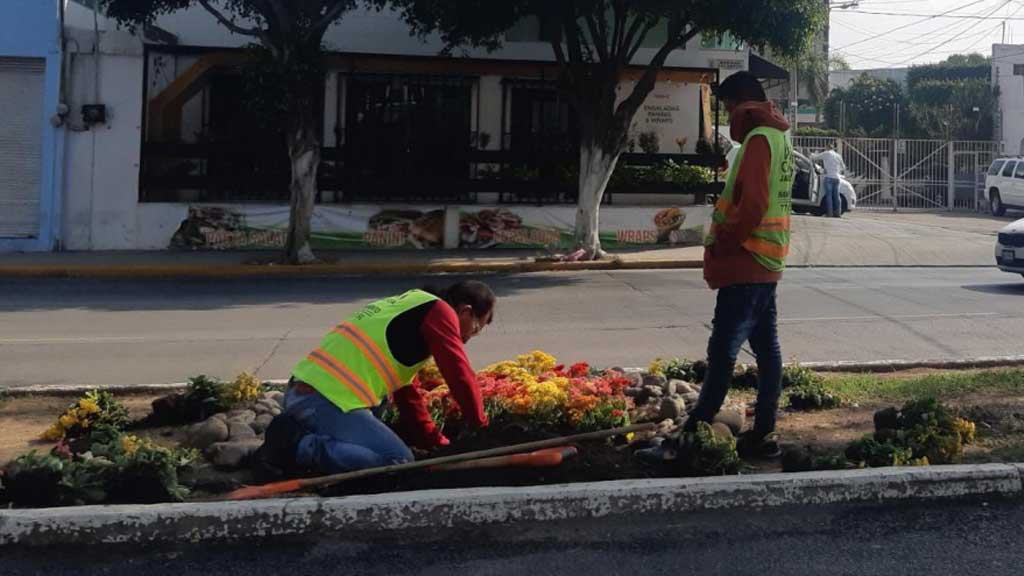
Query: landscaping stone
x,y
672,407
220,416
244,415
240,430
666,426
261,423
721,430
232,454
275,412
265,407
206,433
732,418
683,388
691,398
654,380
276,397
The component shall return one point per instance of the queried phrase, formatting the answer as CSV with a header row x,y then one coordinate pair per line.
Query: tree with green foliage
x,y
953,99
287,37
870,107
594,41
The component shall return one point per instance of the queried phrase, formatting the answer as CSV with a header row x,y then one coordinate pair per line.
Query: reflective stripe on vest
x,y
769,241
353,367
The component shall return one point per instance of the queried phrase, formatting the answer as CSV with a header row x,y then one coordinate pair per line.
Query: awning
x,y
765,70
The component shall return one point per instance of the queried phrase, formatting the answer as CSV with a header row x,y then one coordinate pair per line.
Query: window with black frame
x,y
407,137
205,141
542,141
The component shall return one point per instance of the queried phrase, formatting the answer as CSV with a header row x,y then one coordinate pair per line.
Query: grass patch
x,y
945,385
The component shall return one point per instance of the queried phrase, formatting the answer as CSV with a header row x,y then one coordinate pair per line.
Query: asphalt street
x,y
967,537
116,332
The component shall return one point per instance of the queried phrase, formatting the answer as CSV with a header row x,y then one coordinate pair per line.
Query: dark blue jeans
x,y
342,441
833,201
743,313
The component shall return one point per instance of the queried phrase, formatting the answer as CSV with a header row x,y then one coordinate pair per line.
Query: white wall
x,y
1011,94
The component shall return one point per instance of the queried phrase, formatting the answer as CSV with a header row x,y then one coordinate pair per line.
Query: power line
x,y
926,52
950,16
914,23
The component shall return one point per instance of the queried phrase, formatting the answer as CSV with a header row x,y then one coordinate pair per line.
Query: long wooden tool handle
x,y
293,485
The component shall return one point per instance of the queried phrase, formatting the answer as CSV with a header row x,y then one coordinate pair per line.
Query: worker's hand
x,y
431,439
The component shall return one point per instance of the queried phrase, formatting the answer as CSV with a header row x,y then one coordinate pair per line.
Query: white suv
x,y
1004,185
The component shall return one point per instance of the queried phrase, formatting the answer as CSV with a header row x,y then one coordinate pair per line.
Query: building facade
x,y
403,129
1008,81
31,139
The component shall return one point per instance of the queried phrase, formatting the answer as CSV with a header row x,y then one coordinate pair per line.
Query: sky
x,y
889,41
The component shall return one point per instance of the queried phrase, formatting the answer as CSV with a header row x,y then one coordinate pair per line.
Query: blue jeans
x,y
341,441
833,202
743,313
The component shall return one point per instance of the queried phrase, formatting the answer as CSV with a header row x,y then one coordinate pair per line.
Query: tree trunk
x,y
596,167
304,152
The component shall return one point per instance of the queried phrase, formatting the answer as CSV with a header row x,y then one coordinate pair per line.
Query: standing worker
x,y
331,419
834,166
744,256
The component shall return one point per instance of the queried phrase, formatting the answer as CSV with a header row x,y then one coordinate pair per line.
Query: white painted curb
x,y
872,366
363,515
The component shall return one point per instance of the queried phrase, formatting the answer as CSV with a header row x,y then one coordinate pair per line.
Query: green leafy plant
x,y
922,432
703,453
96,408
813,396
809,459
649,143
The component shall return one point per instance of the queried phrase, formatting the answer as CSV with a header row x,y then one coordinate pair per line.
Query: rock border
x,y
464,508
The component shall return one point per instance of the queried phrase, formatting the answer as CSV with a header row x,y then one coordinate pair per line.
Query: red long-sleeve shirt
x,y
441,333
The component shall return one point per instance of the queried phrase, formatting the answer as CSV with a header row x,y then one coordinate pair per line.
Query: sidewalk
x,y
157,264
865,239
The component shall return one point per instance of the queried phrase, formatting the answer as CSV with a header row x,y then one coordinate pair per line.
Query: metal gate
x,y
897,174
21,146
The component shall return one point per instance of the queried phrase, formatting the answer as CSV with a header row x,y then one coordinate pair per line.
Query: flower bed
x,y
534,392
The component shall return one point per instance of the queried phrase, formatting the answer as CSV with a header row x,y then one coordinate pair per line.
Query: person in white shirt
x,y
834,166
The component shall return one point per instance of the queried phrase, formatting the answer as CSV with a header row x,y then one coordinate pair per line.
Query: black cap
x,y
741,86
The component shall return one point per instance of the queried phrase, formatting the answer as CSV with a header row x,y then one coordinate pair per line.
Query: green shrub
x,y
813,396
702,453
922,432
809,459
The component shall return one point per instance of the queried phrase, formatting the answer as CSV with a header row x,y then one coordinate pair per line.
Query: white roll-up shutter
x,y
21,145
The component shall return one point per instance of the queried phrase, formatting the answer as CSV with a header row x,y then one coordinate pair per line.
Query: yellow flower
x,y
130,444
67,421
54,433
657,367
88,406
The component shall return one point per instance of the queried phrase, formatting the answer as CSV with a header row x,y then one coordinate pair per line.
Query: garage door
x,y
21,147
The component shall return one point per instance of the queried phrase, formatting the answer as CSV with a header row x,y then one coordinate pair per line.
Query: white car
x,y
1004,185
807,193
1010,248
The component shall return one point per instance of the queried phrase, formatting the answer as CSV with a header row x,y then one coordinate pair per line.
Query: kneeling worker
x,y
337,394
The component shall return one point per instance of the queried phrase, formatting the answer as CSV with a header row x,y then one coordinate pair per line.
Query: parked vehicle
x,y
1004,185
807,187
1010,248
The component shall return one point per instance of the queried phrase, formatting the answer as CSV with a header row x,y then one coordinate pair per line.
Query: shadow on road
x,y
25,295
1007,289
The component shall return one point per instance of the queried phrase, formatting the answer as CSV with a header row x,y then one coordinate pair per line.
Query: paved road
x,y
130,332
959,537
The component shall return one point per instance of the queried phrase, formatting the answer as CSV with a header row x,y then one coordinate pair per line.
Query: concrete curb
x,y
845,367
75,389
464,508
898,365
348,268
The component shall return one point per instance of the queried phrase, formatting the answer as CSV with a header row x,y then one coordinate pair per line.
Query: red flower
x,y
580,370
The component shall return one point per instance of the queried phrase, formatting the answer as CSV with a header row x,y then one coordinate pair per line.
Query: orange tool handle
x,y
547,458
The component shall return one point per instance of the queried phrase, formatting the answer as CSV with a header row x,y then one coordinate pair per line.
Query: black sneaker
x,y
752,444
275,459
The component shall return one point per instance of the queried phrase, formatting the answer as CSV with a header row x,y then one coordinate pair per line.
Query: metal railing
x,y
903,174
